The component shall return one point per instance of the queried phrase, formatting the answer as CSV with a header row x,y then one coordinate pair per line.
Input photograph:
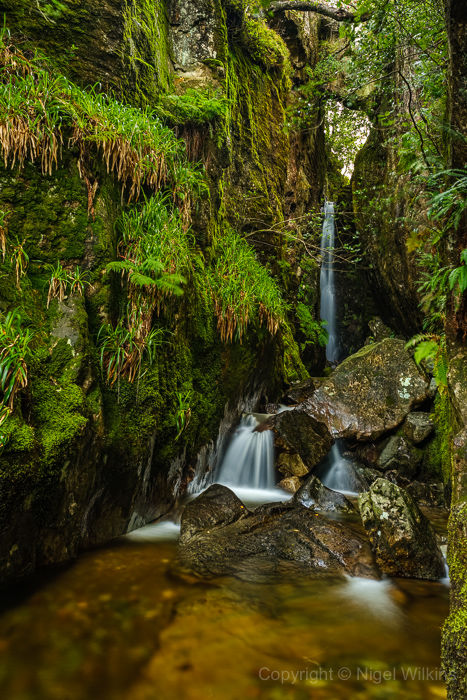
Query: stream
x,y
119,624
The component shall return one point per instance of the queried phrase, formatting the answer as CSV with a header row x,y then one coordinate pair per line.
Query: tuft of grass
x,y
63,282
40,110
242,289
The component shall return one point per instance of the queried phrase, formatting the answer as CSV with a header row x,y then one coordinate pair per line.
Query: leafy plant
x,y
63,282
314,331
15,351
458,276
20,261
431,347
183,411
3,231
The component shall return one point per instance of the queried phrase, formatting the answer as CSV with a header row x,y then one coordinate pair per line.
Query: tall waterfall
x,y
338,473
249,459
327,285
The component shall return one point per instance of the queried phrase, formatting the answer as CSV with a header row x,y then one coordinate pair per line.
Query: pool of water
x,y
120,624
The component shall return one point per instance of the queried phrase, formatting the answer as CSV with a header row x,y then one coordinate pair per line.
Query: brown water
x,y
117,625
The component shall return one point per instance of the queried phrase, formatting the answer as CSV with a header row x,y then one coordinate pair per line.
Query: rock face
x,y
220,537
418,427
291,484
314,494
402,538
370,393
302,434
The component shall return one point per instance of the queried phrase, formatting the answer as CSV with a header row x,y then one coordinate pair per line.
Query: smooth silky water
x,y
119,623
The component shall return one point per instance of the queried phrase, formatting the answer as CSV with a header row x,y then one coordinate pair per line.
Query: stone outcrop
x,y
313,494
302,434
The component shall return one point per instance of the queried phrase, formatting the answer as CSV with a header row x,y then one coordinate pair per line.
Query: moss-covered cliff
x,y
91,447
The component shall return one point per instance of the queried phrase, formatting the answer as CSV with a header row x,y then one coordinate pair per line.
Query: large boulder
x,y
370,393
275,538
402,538
298,432
314,494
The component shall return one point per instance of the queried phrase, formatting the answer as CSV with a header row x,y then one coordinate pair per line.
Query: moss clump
x,y
16,436
264,45
437,456
58,412
197,107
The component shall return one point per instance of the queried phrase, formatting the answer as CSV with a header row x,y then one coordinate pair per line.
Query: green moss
x,y
58,414
16,435
264,45
437,456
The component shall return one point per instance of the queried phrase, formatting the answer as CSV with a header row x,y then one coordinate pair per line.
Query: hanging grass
x,y
38,112
242,289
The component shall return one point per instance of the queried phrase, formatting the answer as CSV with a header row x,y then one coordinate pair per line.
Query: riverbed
x,y
120,624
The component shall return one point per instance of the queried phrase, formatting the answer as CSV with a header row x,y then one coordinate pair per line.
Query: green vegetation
x,y
63,282
242,289
15,352
40,109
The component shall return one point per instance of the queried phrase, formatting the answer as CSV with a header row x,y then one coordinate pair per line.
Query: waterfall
x,y
327,286
338,473
249,459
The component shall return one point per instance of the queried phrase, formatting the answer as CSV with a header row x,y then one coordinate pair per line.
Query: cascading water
x,y
338,473
327,286
249,459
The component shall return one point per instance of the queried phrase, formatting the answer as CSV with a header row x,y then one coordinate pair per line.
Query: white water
x,y
373,597
154,532
327,285
248,465
339,475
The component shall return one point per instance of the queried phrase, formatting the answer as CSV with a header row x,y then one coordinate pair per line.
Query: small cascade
x,y
327,285
338,473
249,459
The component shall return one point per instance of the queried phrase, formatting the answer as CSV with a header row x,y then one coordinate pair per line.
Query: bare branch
x,y
339,14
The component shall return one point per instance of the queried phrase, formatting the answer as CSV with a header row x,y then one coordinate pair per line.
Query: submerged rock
x,y
315,494
220,538
301,433
418,426
291,465
370,393
402,538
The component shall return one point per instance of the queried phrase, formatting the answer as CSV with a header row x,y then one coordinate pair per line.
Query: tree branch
x,y
340,15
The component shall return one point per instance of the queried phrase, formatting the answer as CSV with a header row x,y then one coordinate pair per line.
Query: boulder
x,y
418,427
216,506
314,494
370,393
291,484
291,465
400,455
402,538
298,432
273,539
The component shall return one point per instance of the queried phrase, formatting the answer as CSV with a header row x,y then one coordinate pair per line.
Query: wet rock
x,y
400,455
300,433
291,465
402,538
274,539
369,452
379,330
418,427
216,506
315,494
302,390
291,484
370,393
431,494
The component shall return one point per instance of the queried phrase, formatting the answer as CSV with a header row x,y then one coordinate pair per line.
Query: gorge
x,y
233,373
